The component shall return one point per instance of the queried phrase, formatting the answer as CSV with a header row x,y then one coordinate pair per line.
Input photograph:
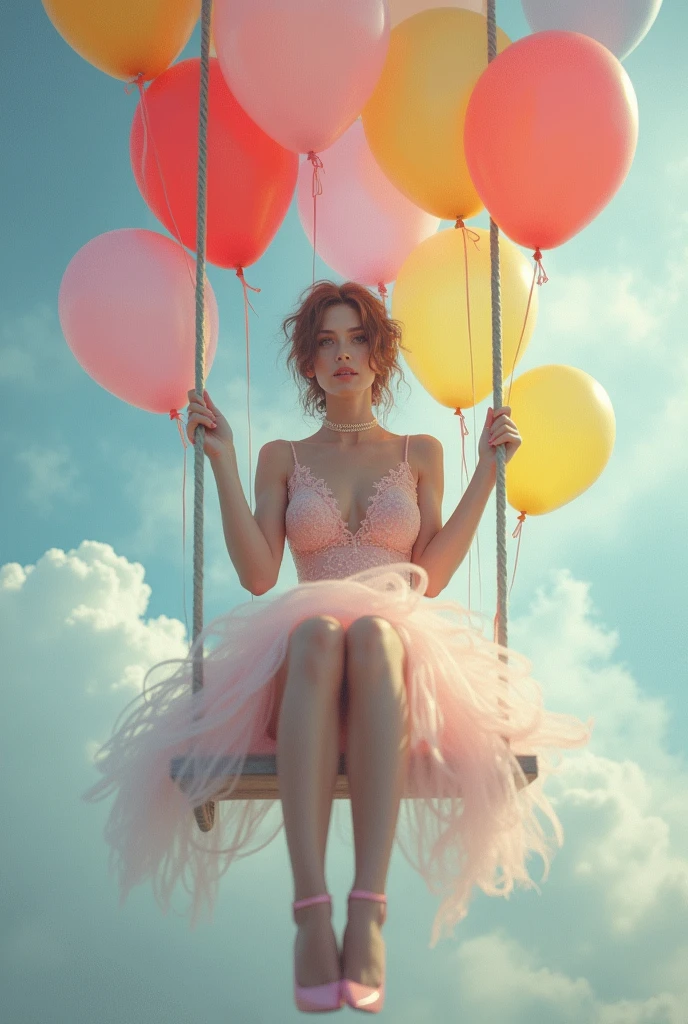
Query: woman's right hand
x,y
219,438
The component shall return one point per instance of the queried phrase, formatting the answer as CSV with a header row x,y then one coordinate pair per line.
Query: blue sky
x,y
91,595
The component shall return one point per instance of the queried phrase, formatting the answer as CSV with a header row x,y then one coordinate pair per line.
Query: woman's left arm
x,y
442,549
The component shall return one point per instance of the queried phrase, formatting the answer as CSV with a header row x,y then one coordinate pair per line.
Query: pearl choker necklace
x,y
347,428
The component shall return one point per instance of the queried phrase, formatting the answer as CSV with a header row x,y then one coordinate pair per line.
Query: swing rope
x,y
500,631
205,814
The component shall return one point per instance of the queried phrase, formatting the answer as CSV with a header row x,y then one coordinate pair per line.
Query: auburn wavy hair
x,y
301,334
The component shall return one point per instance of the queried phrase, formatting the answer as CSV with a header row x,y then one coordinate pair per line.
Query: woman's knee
x,y
316,638
371,636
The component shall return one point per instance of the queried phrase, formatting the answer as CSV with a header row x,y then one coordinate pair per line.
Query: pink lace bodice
x,y
321,543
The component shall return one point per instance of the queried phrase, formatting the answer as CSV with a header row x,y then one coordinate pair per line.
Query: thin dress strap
x,y
296,461
406,451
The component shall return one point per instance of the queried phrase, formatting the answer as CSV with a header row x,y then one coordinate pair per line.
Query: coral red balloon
x,y
251,178
550,133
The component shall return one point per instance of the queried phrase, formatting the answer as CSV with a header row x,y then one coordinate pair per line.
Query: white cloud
x,y
624,801
84,609
573,657
498,977
621,844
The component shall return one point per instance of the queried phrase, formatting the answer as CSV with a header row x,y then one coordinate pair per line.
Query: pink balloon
x,y
550,133
400,10
127,310
365,227
619,25
302,69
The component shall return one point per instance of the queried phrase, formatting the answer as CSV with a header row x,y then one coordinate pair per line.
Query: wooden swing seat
x,y
258,780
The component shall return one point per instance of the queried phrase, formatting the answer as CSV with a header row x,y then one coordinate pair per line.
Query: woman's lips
x,y
346,373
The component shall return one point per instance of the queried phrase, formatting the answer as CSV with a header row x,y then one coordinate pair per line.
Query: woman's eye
x,y
361,337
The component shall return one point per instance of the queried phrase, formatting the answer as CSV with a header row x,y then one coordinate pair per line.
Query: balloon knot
x,y
138,82
542,276
519,527
382,289
176,415
464,428
468,233
317,167
240,275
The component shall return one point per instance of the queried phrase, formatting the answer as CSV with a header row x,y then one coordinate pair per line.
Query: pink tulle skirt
x,y
472,712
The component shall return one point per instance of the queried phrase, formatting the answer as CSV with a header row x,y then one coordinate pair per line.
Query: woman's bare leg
x,y
307,756
377,759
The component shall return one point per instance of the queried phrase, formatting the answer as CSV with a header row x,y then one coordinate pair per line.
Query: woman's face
x,y
342,358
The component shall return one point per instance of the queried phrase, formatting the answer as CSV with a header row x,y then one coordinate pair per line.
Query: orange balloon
x,y
125,38
414,119
550,133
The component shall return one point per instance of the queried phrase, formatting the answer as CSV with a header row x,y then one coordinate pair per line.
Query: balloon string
x,y
464,435
382,290
247,306
316,190
147,133
542,276
523,331
475,238
464,469
175,415
517,533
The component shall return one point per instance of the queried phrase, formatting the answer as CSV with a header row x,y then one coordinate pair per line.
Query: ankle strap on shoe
x,y
363,894
310,900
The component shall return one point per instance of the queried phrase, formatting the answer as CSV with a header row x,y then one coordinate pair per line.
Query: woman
x,y
355,657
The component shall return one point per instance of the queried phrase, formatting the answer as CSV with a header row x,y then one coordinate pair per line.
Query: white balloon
x,y
618,24
402,9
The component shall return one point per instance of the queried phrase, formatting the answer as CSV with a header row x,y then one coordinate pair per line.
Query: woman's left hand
x,y
499,429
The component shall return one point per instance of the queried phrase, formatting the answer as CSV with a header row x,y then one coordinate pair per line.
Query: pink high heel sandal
x,y
316,998
364,997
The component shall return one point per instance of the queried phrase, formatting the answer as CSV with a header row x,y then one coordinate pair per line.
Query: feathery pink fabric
x,y
470,711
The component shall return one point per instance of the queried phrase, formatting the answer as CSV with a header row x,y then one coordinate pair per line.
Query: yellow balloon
x,y
414,120
126,37
429,299
566,421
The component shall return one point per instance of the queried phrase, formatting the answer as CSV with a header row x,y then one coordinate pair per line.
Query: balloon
x,y
551,130
567,425
365,227
414,119
250,177
619,25
125,38
302,69
127,308
402,9
429,299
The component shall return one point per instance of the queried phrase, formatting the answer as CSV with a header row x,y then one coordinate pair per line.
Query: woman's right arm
x,y
255,542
